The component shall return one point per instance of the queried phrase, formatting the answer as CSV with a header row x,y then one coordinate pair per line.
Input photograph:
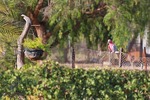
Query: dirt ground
x,y
99,66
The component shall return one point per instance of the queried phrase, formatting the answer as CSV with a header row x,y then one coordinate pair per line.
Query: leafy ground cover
x,y
52,81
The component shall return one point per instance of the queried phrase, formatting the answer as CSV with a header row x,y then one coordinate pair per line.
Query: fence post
x,y
141,52
145,59
73,57
120,57
110,58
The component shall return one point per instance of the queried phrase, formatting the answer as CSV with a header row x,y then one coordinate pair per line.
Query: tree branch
x,y
38,7
101,10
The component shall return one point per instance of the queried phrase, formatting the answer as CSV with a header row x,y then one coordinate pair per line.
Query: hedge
x,y
54,82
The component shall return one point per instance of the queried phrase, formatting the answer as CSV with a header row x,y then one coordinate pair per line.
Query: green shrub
x,y
54,82
35,44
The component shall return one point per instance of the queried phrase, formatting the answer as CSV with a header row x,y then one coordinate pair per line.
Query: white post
x,y
20,53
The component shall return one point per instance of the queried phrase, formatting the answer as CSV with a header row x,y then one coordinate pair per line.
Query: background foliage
x,y
127,19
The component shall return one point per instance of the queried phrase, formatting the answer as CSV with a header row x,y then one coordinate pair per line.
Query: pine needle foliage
x,y
96,20
8,38
127,18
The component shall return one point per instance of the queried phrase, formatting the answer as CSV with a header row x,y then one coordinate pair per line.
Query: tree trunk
x,y
20,53
39,26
